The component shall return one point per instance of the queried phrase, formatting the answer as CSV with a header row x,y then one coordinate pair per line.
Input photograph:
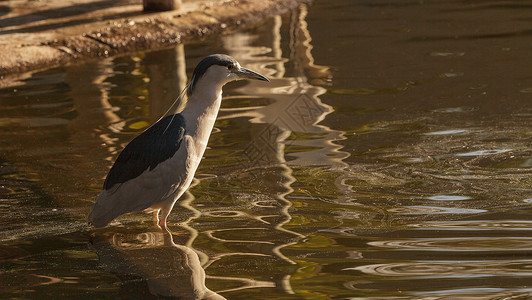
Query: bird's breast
x,y
200,120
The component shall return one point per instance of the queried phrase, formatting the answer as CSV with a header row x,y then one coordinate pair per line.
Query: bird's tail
x,y
101,215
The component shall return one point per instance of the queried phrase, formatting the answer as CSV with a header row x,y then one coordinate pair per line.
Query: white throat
x,y
201,111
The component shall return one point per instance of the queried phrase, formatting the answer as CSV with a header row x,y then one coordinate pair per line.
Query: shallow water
x,y
389,158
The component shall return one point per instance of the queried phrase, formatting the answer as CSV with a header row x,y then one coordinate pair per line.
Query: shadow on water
x,y
381,162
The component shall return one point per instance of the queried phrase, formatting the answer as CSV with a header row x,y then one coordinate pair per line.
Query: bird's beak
x,y
248,74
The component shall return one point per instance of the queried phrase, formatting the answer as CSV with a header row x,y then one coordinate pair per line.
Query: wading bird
x,y
157,167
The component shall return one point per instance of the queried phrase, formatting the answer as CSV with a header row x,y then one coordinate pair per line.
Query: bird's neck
x,y
200,113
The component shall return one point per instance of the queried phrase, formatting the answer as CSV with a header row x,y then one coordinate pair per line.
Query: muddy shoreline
x,y
143,32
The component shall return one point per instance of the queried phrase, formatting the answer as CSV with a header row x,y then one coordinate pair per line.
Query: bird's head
x,y
219,69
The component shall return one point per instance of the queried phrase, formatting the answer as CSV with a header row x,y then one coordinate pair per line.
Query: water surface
x,y
389,158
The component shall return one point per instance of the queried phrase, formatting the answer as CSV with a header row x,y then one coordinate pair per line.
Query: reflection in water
x,y
168,269
293,108
166,70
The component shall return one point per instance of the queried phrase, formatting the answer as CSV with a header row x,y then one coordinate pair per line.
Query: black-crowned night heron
x,y
157,167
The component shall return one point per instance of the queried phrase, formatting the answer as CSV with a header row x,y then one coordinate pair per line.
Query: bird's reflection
x,y
151,264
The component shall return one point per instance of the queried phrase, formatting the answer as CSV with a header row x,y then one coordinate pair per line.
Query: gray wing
x,y
155,145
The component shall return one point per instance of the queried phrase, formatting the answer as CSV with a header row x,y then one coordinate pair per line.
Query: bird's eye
x,y
229,67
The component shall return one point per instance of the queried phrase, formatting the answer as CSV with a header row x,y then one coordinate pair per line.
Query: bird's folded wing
x,y
154,146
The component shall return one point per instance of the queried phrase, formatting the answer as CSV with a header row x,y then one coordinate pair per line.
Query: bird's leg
x,y
156,217
164,214
165,211
162,223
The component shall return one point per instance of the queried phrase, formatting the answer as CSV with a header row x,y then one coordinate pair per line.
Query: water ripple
x,y
484,152
211,234
422,210
448,198
445,132
476,225
235,214
459,244
447,54
449,269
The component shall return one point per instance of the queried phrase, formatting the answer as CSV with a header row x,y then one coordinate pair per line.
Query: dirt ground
x,y
37,33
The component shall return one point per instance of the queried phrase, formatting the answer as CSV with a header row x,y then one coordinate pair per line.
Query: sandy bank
x,y
33,40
